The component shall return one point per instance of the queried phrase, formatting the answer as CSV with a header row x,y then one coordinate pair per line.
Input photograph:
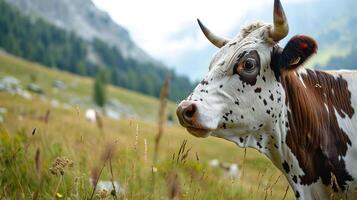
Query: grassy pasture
x,y
122,150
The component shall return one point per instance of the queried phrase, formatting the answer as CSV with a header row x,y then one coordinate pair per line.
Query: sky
x,y
168,31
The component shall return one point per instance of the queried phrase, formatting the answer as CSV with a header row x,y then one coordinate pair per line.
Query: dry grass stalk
x,y
95,178
56,194
107,155
99,120
286,192
46,118
261,179
145,150
197,157
272,185
182,153
316,196
174,185
35,195
243,162
95,174
38,161
162,115
108,152
58,168
113,192
334,183
33,131
136,138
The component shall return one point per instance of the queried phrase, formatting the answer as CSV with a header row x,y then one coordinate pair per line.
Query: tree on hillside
x,y
99,88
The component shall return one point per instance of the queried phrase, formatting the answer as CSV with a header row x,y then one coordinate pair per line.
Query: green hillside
x,y
145,107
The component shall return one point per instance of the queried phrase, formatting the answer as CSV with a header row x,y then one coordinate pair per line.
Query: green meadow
x,y
53,152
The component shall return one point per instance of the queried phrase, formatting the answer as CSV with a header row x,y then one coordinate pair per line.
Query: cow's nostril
x,y
189,112
186,112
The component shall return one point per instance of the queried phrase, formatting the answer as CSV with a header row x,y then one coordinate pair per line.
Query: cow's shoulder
x,y
316,100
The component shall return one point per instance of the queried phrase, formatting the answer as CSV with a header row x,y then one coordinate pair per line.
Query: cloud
x,y
168,30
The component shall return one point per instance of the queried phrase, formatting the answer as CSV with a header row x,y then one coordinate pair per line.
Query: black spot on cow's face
x,y
258,90
259,145
271,97
295,179
240,79
286,167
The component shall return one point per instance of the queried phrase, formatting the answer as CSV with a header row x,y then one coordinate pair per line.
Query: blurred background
x,y
139,42
80,82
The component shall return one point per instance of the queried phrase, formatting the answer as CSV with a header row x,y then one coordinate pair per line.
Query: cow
x,y
260,95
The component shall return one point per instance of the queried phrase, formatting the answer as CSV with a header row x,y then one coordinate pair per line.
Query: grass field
x,y
123,150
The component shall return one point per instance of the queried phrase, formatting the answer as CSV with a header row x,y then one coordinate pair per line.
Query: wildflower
x,y
154,169
103,193
58,195
59,165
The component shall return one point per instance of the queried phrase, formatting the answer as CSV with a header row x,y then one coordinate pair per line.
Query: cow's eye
x,y
249,64
247,67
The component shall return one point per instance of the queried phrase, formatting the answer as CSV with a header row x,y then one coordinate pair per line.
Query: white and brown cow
x,y
257,94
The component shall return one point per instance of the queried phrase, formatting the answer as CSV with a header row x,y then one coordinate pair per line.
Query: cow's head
x,y
241,94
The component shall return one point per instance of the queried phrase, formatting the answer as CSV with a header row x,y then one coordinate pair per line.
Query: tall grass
x,y
35,159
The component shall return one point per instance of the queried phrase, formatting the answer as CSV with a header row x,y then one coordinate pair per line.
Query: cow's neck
x,y
314,145
306,143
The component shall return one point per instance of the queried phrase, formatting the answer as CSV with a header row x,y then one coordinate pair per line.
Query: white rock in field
x,y
91,115
214,163
230,170
108,186
10,84
25,94
55,103
35,88
233,171
59,84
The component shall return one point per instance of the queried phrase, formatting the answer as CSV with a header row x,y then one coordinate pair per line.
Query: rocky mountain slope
x,y
86,20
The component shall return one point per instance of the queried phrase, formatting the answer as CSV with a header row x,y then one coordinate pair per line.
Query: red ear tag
x,y
303,45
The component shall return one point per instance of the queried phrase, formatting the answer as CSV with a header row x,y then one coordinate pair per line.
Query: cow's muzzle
x,y
187,114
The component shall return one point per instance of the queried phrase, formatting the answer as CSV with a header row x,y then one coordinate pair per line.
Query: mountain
x,y
86,20
333,24
36,39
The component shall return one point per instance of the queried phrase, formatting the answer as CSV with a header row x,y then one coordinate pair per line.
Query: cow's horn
x,y
217,41
281,26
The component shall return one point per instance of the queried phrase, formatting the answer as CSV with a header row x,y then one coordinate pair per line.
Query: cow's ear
x,y
297,51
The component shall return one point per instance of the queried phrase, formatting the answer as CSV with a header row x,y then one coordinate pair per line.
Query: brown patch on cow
x,y
314,135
